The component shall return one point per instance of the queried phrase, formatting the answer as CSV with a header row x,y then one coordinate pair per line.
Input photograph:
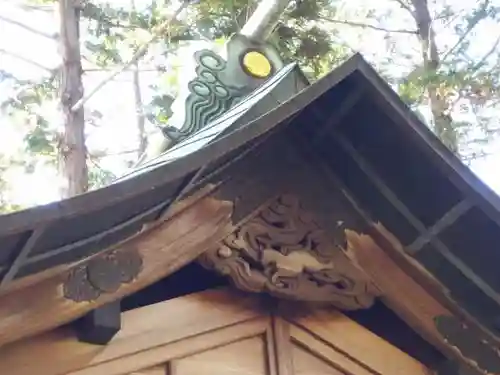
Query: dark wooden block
x,y
100,325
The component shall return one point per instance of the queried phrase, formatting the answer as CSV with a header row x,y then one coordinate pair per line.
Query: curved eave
x,y
63,232
457,171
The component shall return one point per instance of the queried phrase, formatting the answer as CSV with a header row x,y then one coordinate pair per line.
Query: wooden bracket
x,y
100,325
282,251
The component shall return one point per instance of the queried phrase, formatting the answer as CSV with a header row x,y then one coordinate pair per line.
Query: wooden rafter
x,y
404,295
338,116
22,255
162,248
444,222
387,192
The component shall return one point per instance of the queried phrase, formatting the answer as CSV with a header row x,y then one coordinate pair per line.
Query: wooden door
x,y
217,333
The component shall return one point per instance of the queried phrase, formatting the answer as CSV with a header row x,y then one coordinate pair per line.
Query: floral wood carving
x,y
284,252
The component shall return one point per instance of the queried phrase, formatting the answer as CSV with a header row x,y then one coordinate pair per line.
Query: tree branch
x,y
487,55
35,7
28,28
103,154
140,52
452,18
474,70
405,7
96,164
91,70
25,59
472,24
367,26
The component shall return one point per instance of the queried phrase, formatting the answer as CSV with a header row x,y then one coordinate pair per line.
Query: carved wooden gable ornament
x,y
283,251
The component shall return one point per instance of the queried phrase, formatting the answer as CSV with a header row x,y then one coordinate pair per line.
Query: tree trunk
x,y
72,149
265,18
443,123
139,112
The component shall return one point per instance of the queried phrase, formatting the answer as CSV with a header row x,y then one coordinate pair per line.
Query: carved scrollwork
x,y
284,252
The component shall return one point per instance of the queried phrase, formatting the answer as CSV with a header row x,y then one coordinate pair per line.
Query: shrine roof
x,y
398,170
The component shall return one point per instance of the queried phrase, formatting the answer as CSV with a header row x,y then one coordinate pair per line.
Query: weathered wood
x,y
327,188
471,342
412,302
284,252
403,294
163,248
103,274
59,351
387,192
450,367
189,227
337,339
259,177
171,336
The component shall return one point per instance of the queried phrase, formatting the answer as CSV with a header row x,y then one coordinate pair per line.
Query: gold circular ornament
x,y
257,64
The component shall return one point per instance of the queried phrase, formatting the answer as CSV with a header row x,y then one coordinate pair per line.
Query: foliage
x,y
465,79
319,34
25,108
99,177
6,205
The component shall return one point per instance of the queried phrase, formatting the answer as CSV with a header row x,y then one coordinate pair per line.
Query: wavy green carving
x,y
219,84
209,96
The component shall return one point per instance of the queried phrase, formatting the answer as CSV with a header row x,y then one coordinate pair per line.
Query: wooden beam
x,y
397,266
382,187
455,213
449,367
100,325
408,289
378,182
149,328
404,295
22,255
162,248
337,116
189,227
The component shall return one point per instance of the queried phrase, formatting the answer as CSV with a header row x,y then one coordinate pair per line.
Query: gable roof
x,y
417,182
